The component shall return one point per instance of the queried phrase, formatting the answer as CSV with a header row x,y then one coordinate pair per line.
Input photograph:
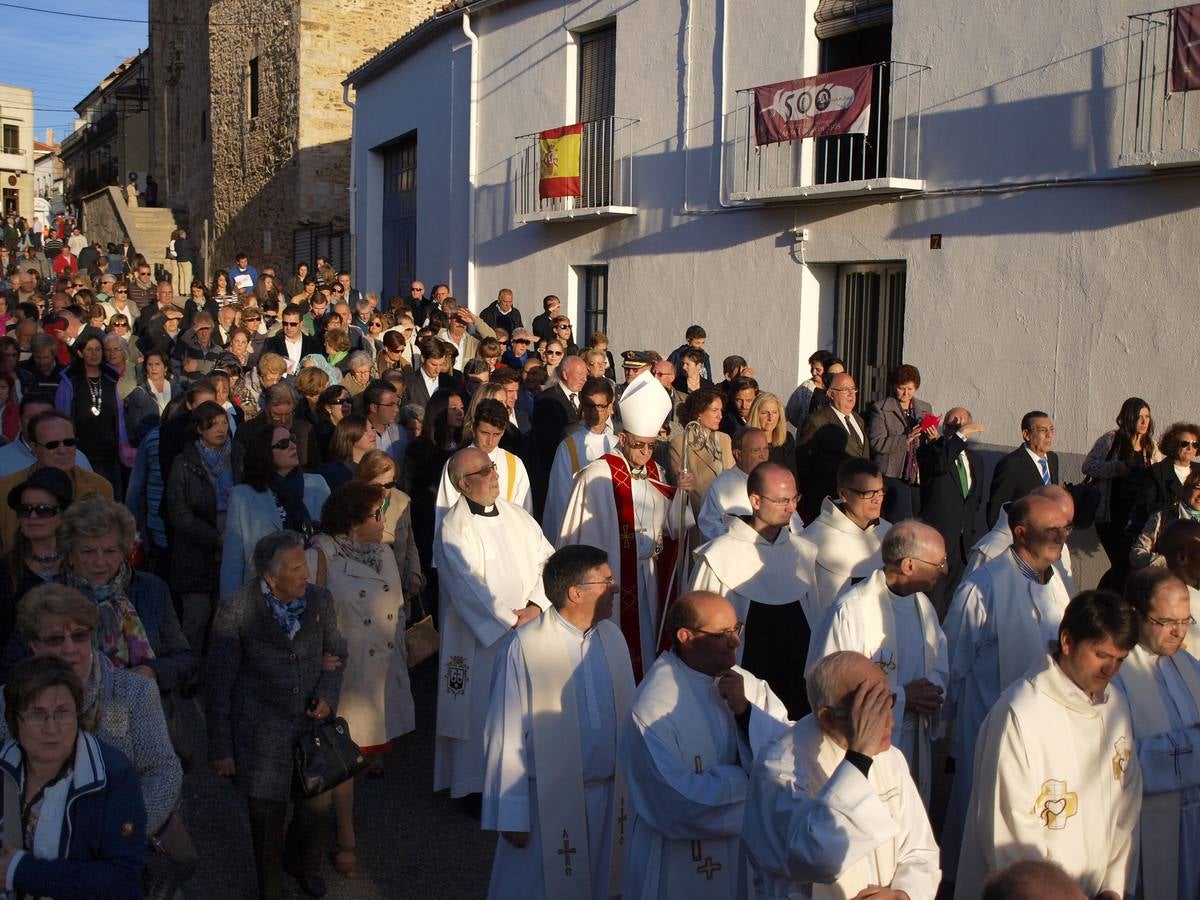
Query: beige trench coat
x,y
397,531
376,699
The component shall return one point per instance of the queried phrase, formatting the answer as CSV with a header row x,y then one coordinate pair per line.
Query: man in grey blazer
x,y
829,437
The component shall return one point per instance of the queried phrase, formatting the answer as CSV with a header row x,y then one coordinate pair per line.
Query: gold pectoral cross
x,y
627,538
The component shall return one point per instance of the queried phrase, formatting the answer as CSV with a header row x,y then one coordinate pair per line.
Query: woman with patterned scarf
x,y
275,494
198,494
360,572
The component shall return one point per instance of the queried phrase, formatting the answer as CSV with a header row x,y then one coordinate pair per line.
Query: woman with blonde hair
x,y
378,467
353,437
248,390
767,413
487,391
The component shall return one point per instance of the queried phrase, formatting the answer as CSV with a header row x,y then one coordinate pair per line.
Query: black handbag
x,y
1087,500
171,859
325,756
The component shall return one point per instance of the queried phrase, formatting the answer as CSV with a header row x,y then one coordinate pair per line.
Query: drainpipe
x,y
472,140
353,189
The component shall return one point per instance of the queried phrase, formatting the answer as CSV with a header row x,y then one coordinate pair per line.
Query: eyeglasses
x,y
378,515
868,495
251,318
345,401
608,582
119,325
554,352
37,511
641,445
489,468
284,443
53,641
416,290
596,406
1172,624
122,291
563,326
54,445
735,631
1195,445
944,564
843,390
376,324
40,718
291,324
783,501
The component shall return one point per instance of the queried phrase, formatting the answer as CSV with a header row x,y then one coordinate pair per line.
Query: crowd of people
x,y
695,637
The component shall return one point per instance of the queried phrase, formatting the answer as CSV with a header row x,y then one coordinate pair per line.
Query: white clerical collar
x,y
563,621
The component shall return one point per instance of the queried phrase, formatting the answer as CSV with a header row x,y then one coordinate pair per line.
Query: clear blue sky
x,y
62,59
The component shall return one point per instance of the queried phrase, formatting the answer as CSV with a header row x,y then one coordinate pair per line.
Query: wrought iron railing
x,y
891,148
605,170
1157,125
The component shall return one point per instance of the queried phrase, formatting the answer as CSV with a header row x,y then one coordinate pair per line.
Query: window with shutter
x,y
597,106
837,17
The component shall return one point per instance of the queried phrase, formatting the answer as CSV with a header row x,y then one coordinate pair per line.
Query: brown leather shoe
x,y
345,861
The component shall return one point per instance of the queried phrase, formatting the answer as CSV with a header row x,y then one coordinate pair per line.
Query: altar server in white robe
x,y
727,495
833,812
766,570
1162,683
1057,774
1179,544
589,441
998,625
888,618
999,538
686,752
849,531
491,419
550,785
490,557
623,504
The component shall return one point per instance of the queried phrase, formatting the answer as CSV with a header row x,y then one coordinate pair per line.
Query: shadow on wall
x,y
299,191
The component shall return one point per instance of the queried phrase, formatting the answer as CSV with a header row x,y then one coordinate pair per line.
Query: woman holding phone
x,y
896,426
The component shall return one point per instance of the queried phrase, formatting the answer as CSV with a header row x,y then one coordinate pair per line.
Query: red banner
x,y
1185,53
826,104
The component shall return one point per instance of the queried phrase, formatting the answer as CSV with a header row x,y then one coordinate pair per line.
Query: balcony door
x,y
870,325
399,217
857,157
597,106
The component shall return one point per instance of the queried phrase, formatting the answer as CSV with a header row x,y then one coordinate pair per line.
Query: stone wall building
x,y
251,132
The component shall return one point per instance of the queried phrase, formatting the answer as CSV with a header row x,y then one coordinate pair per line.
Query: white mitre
x,y
644,406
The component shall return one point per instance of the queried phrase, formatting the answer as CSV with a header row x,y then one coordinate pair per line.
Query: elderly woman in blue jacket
x,y
82,832
275,494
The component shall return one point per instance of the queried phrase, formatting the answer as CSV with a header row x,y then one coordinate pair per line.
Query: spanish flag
x,y
559,149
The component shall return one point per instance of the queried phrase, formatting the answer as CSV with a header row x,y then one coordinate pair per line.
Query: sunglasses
x,y
54,445
346,401
37,510
251,318
119,325
78,636
376,324
1195,445
291,324
563,327
554,353
284,443
122,291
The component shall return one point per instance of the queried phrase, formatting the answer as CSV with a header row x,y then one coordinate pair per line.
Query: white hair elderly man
x,y
832,811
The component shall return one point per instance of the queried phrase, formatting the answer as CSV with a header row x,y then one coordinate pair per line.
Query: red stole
x,y
631,625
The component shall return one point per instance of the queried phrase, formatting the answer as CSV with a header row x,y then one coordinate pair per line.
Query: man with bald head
x,y
1031,879
951,492
1162,681
832,810
489,559
727,495
686,751
1179,545
1000,620
999,538
829,437
888,618
766,569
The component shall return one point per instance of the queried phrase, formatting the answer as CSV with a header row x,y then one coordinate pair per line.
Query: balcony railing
x,y
886,160
605,170
1158,129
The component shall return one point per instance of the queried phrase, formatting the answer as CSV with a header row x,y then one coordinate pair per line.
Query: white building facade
x,y
16,151
1025,232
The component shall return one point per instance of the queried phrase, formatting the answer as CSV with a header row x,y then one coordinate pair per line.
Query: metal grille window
x,y
321,240
870,326
252,88
399,217
594,282
597,102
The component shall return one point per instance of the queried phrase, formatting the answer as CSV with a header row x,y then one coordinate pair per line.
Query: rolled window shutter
x,y
838,17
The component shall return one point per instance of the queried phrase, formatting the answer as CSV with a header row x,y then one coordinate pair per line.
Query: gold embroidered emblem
x,y
1120,760
126,829
886,661
458,673
1055,804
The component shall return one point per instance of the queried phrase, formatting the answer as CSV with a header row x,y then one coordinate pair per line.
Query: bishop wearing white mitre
x,y
686,753
550,785
999,538
999,623
888,618
587,442
833,812
1161,679
1056,771
490,557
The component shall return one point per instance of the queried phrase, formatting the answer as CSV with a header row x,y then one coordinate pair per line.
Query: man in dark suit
x,y
429,377
951,493
290,334
1029,466
554,411
829,437
501,313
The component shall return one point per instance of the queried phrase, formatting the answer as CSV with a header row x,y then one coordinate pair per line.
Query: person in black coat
x,y
277,343
825,442
554,413
1164,479
1017,474
944,504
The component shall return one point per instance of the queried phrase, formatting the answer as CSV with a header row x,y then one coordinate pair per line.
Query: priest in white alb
x,y
686,752
490,557
727,496
623,504
766,570
1179,545
1162,682
848,532
488,426
587,442
1057,774
888,618
550,783
833,812
999,623
999,538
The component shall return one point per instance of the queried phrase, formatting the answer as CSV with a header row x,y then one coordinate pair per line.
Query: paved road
x,y
412,843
